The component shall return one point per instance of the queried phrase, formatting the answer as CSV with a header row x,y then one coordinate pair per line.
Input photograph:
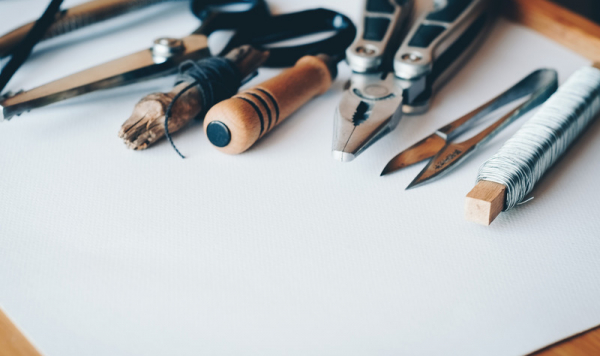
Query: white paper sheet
x,y
281,250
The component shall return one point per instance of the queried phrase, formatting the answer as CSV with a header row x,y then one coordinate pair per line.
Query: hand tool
x,y
436,46
507,178
536,87
145,126
193,89
162,59
75,18
24,47
234,125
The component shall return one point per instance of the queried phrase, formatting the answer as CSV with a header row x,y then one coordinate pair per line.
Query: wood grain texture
x,y
573,31
585,344
83,15
251,114
586,8
485,202
557,23
12,341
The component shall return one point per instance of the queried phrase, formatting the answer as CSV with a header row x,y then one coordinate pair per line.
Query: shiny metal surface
x,y
411,62
409,85
369,109
366,55
130,69
165,48
536,88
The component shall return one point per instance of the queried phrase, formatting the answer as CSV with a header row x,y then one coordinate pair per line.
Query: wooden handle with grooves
x,y
234,125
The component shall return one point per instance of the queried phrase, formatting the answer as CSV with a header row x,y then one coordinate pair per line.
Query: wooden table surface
x,y
14,343
584,344
568,28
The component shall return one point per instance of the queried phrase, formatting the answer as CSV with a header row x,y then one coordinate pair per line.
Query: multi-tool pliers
x,y
383,88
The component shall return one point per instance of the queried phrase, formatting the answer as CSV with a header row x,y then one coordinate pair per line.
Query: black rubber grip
x,y
375,28
425,35
451,11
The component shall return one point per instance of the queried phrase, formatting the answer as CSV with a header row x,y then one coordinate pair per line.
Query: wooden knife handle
x,y
234,125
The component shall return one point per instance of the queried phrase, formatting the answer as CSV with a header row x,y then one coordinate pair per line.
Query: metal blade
x,y
130,69
420,151
449,157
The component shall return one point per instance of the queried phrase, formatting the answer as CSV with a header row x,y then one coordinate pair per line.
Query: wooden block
x,y
485,202
557,23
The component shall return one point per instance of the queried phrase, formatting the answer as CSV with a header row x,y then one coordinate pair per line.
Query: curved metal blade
x,y
130,69
420,151
449,157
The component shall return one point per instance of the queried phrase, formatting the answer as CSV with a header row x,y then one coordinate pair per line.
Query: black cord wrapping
x,y
216,78
24,48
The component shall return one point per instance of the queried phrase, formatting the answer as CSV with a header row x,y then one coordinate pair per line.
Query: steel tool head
x,y
369,109
434,49
420,151
449,157
538,87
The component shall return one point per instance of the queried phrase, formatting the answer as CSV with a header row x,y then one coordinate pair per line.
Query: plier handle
x,y
381,90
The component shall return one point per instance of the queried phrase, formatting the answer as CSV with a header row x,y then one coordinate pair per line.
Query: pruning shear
x,y
383,88
445,155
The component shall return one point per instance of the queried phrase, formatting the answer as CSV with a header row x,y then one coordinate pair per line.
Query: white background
x,y
281,250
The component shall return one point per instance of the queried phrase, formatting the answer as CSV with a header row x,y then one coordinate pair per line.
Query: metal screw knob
x,y
366,51
164,48
412,57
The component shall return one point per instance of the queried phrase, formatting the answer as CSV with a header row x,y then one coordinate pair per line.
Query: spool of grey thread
x,y
525,157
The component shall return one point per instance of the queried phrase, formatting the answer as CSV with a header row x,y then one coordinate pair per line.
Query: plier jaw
x,y
369,109
435,48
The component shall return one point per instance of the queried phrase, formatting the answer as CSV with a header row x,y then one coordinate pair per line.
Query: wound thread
x,y
525,157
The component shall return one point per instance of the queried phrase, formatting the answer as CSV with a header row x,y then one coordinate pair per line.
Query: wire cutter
x,y
383,88
537,87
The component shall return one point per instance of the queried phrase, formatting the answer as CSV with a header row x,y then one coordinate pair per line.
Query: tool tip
x,y
389,168
415,183
343,156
